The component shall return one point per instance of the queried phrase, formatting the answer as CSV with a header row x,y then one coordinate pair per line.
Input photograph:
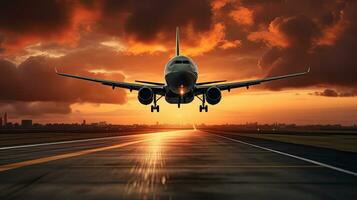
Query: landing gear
x,y
155,106
203,106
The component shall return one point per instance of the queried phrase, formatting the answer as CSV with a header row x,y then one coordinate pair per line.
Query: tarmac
x,y
183,164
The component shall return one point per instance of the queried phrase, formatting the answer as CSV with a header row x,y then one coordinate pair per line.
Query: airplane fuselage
x,y
180,75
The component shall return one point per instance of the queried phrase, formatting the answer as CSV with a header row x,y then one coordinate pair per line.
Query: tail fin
x,y
177,41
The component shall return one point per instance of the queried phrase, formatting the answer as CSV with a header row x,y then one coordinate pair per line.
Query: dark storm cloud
x,y
327,46
62,21
335,93
23,22
29,80
34,83
39,16
293,34
35,108
145,20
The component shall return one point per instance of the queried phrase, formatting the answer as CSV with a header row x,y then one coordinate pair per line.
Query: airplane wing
x,y
229,86
150,82
210,82
114,84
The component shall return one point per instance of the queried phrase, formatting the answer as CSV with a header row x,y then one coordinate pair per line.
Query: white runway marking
x,y
292,156
61,142
75,141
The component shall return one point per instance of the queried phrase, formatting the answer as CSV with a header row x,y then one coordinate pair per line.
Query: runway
x,y
186,164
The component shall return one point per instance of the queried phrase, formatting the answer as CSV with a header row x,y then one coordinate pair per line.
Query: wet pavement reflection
x,y
148,177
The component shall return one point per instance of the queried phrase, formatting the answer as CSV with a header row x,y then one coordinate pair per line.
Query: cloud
x,y
296,42
149,20
33,85
286,32
242,16
123,36
208,41
25,22
20,108
334,93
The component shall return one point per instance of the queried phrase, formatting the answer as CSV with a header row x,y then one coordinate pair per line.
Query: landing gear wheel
x,y
157,108
203,107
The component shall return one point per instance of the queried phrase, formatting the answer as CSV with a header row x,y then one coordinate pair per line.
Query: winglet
x,y
56,70
308,70
177,41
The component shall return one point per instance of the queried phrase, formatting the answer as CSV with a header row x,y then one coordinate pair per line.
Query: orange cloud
x,y
242,16
331,33
230,44
218,4
208,41
273,36
133,47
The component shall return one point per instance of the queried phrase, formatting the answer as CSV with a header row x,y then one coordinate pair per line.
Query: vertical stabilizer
x,y
177,41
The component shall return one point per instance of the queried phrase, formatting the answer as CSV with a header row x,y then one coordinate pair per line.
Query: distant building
x,y
5,119
103,123
84,122
0,122
26,123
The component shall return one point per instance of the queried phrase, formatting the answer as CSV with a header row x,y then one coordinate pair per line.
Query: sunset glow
x,y
228,39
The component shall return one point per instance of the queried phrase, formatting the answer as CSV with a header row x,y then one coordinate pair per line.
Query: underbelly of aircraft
x,y
175,98
182,80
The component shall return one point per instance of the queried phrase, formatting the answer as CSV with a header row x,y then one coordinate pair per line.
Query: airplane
x,y
181,86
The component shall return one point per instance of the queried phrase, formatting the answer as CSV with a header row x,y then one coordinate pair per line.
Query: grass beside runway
x,y
337,142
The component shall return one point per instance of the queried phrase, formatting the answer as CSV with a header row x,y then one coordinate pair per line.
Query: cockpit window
x,y
181,62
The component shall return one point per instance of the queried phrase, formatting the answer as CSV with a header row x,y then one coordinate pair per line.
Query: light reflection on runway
x,y
148,176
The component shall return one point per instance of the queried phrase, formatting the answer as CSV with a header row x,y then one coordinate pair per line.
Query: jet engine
x,y
145,95
213,95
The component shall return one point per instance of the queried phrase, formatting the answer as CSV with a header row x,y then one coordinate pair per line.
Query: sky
x,y
228,39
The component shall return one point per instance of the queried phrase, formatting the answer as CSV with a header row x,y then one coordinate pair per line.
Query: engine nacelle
x,y
213,95
145,96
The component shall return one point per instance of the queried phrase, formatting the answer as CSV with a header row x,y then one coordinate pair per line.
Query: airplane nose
x,y
180,82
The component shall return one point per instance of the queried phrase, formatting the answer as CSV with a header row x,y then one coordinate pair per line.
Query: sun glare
x,y
148,175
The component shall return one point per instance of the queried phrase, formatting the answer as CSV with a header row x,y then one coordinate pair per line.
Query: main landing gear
x,y
203,106
155,106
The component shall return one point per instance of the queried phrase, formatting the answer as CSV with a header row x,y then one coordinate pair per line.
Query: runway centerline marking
x,y
290,155
7,167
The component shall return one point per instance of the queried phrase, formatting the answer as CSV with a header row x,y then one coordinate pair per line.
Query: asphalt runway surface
x,y
187,164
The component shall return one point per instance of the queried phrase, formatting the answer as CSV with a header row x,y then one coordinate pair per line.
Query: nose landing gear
x,y
203,107
155,107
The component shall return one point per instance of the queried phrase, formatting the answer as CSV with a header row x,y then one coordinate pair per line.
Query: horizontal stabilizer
x,y
149,82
